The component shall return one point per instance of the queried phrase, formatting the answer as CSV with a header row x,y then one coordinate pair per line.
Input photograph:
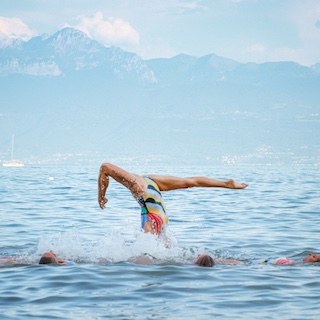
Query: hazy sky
x,y
243,30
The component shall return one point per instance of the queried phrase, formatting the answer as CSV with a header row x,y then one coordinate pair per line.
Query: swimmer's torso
x,y
152,202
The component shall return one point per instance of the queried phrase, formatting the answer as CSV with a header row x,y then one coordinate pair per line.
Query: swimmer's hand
x,y
102,201
227,261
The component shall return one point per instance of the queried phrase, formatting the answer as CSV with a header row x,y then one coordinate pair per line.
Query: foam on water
x,y
112,247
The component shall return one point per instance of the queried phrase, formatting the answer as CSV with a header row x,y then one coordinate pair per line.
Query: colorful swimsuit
x,y
152,206
283,260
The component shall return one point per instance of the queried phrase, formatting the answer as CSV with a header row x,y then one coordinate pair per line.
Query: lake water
x,y
55,207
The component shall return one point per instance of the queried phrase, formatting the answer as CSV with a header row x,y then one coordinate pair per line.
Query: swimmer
x,y
203,260
310,258
146,189
206,261
51,258
47,258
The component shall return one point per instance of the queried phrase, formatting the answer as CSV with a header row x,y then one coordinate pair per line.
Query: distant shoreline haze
x,y
67,94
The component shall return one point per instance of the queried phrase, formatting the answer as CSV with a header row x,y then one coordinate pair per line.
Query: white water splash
x,y
111,247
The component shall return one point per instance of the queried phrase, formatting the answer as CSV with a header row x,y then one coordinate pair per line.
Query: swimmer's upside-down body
x,y
146,189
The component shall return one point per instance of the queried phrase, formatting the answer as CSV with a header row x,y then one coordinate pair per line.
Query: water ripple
x,y
278,215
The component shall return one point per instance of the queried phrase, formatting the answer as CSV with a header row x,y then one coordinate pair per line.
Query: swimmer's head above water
x,y
312,257
50,258
204,260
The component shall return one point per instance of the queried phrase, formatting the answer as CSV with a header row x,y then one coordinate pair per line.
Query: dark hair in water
x,y
46,260
205,261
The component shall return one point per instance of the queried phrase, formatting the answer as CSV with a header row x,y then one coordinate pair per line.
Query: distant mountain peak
x,y
70,38
70,32
219,63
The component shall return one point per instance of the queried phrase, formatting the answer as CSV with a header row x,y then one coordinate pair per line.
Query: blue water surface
x,y
54,207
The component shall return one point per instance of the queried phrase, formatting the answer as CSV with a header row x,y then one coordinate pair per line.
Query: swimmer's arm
x,y
5,260
106,260
62,262
227,261
103,182
66,262
140,260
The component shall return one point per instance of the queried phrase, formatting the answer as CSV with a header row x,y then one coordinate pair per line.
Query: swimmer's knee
x,y
189,182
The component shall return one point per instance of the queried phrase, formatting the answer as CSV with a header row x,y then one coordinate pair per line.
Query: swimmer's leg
x,y
135,183
166,183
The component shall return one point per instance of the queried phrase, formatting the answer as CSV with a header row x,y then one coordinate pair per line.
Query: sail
x,y
13,162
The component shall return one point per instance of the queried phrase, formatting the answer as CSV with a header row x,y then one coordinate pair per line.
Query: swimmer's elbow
x,y
105,167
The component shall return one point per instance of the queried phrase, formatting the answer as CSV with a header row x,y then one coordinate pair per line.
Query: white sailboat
x,y
13,162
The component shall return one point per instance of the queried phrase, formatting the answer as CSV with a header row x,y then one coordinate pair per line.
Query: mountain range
x,y
66,94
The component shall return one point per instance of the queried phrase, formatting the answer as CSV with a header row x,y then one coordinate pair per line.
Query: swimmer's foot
x,y
231,184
